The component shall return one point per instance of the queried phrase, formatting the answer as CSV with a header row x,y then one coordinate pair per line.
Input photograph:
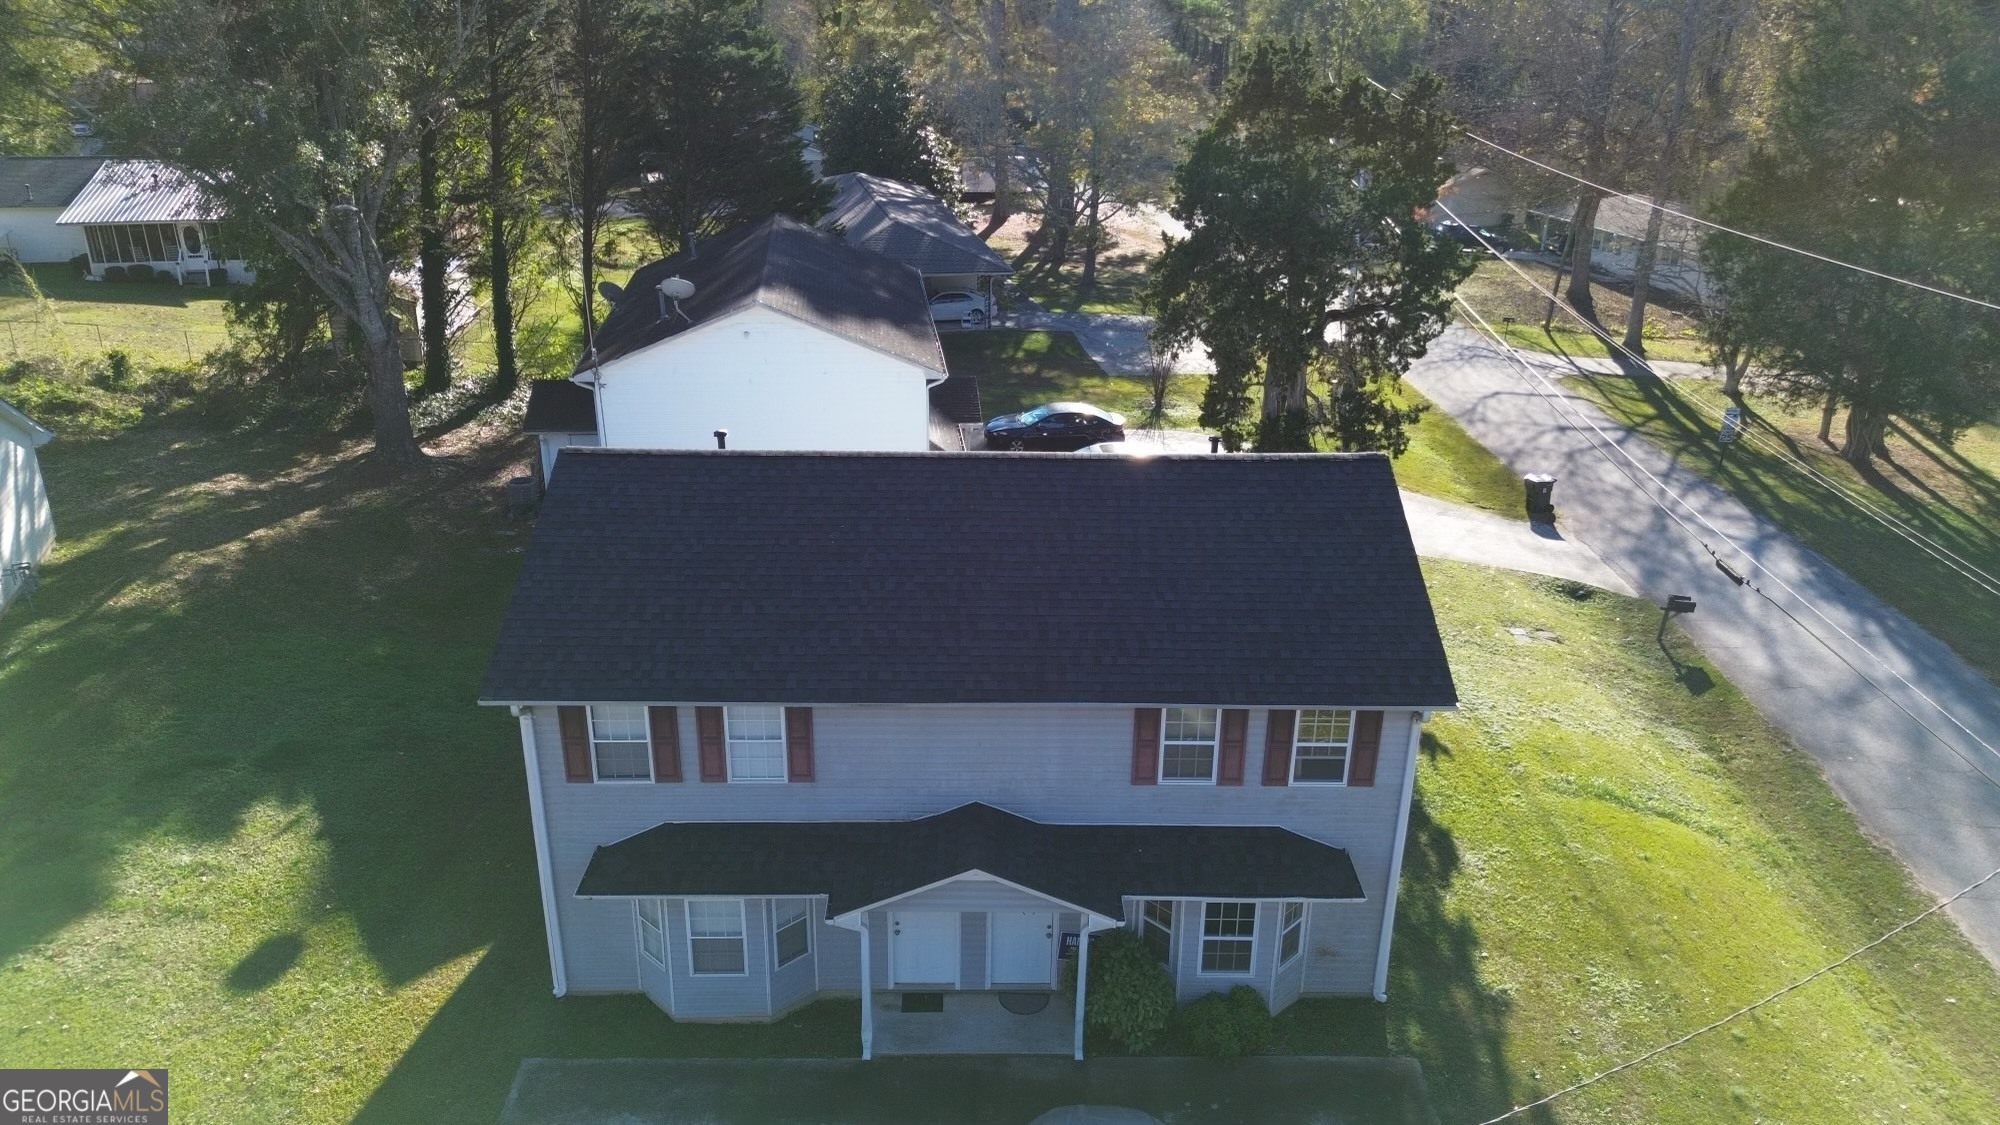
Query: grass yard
x,y
1017,370
1498,292
1121,267
1949,493
62,315
253,828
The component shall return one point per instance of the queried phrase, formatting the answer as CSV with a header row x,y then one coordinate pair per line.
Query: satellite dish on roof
x,y
676,290
610,291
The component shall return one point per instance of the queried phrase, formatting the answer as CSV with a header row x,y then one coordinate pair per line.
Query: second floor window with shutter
x,y
756,743
619,746
1319,747
1187,744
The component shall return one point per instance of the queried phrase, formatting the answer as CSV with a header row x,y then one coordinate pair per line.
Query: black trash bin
x,y
1541,496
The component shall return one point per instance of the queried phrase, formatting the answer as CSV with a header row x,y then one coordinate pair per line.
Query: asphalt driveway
x,y
963,1089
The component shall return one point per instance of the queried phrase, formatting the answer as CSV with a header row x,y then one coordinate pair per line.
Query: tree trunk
x,y
1093,232
1867,433
499,199
1642,270
1582,226
1003,202
1735,362
432,265
1642,276
1826,414
387,396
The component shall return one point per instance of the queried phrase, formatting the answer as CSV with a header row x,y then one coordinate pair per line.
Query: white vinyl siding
x,y
1291,932
756,743
652,933
1228,938
715,937
1156,927
1187,744
1320,745
620,748
791,930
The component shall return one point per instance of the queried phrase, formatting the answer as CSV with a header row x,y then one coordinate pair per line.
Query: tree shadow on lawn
x,y
235,619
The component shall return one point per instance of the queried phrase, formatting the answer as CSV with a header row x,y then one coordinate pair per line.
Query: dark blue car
x,y
1060,426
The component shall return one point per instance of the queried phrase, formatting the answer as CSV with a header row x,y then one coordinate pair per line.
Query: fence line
x,y
27,336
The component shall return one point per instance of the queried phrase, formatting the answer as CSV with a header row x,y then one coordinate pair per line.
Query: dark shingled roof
x,y
44,181
861,863
754,577
954,402
559,406
785,265
905,223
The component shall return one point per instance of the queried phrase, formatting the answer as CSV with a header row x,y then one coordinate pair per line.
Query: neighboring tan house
x,y
144,212
1619,231
791,339
27,530
33,192
799,725
1479,197
904,223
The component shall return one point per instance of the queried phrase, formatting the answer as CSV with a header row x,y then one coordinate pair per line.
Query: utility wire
x,y
1956,562
1740,1012
1771,242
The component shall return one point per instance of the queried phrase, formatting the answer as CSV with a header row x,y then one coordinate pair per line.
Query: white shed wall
x,y
31,234
27,529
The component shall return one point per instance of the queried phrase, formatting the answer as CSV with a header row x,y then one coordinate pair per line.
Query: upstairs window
x,y
1228,936
1187,744
1320,744
620,749
756,743
715,936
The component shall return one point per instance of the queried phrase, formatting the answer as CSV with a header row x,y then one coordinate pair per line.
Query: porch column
x,y
1082,982
867,996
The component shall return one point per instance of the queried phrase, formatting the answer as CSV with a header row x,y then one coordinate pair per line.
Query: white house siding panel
x,y
837,952
31,235
653,979
553,444
716,996
878,949
974,894
973,929
773,382
792,983
1056,763
27,530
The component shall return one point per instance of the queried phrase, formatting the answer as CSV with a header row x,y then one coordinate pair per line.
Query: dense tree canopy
x,y
1305,270
870,120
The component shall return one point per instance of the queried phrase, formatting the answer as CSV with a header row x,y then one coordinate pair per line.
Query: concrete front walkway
x,y
964,1091
1933,795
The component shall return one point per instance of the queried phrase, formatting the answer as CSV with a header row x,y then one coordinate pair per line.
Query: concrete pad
x,y
973,1023
1443,530
1272,1090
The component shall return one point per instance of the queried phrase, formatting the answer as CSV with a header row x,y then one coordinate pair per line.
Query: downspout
x,y
1082,981
867,995
1396,856
539,818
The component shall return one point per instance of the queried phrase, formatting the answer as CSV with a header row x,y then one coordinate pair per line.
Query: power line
x,y
1740,1012
1750,561
1771,242
1951,559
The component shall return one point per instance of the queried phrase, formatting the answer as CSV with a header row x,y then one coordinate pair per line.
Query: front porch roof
x,y
858,864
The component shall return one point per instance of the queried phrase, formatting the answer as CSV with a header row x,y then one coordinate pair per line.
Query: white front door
x,y
1024,947
923,948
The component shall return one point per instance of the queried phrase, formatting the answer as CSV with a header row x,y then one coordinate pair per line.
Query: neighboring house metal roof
x,y
138,191
1619,215
768,577
38,434
44,181
905,223
559,406
858,864
785,265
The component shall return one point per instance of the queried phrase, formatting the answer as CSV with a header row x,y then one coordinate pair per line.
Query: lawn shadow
x,y
262,966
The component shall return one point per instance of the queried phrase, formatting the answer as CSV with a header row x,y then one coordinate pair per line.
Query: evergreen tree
x,y
1305,269
871,121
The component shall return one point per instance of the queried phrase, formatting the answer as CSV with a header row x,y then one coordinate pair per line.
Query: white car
x,y
961,307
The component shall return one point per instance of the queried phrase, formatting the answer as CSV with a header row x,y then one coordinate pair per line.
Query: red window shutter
x,y
1235,731
1367,746
1278,747
1146,746
798,744
666,728
575,742
708,734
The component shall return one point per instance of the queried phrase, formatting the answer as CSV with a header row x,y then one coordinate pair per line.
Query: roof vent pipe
x,y
30,189
722,439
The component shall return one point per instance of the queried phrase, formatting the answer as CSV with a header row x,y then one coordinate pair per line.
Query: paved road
x,y
1935,801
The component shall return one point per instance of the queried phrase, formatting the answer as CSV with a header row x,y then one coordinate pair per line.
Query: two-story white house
x,y
800,725
787,338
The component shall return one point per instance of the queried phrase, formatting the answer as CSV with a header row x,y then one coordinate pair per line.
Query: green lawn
x,y
1500,294
1017,370
253,828
62,315
1951,493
